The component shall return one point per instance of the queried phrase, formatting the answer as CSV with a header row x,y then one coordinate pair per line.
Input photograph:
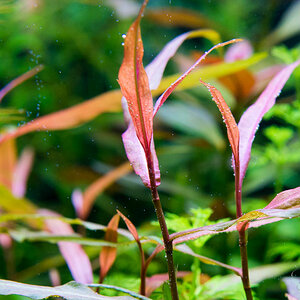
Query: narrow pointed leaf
x,y
173,85
108,254
69,291
208,72
251,118
76,259
19,80
70,117
187,250
157,66
130,227
232,128
134,83
284,206
98,186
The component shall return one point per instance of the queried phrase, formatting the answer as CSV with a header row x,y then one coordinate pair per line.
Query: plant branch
x,y
164,230
143,271
244,258
242,227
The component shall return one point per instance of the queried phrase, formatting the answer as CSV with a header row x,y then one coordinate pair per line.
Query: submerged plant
x,y
138,86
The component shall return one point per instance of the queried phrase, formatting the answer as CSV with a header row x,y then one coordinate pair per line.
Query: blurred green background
x,y
80,44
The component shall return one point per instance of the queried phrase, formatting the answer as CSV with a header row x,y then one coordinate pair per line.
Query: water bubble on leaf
x,y
124,36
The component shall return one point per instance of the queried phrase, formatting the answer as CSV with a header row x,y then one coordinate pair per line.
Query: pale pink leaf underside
x,y
238,51
74,255
251,118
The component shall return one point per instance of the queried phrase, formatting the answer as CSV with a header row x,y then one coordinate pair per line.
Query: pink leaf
x,y
77,201
238,51
54,277
285,199
19,80
155,281
21,173
75,257
253,115
137,157
157,67
161,100
5,240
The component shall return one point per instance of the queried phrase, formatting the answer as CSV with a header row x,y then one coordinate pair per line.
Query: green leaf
x,y
193,120
69,291
41,236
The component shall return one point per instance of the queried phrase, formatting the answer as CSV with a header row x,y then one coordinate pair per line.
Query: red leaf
x,y
232,128
134,83
130,227
108,254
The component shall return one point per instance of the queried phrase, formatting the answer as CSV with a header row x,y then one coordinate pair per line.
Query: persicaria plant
x,y
138,87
